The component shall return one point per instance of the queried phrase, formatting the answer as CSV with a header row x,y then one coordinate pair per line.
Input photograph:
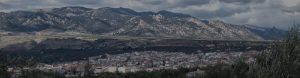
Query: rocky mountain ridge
x,y
126,22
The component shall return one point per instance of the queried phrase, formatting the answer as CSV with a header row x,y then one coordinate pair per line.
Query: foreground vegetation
x,y
281,61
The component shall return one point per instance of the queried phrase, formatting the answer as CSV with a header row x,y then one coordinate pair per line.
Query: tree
x,y
88,72
240,69
281,61
3,66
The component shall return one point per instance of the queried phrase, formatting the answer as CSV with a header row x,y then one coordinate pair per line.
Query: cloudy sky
x,y
268,13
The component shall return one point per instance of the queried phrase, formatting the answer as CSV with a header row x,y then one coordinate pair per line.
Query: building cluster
x,y
145,61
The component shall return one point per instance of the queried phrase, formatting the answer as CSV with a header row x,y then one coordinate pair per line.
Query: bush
x,y
282,61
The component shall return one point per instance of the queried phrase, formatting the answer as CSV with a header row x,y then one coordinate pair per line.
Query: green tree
x,y
88,71
218,71
3,66
240,69
281,61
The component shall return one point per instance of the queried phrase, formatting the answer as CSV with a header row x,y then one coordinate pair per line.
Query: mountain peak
x,y
120,10
172,14
124,22
71,9
74,8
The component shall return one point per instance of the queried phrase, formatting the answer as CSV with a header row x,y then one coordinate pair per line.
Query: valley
x,y
69,48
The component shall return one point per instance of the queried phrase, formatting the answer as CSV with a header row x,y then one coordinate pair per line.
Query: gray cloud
x,y
152,2
4,6
279,13
213,10
243,1
192,2
292,10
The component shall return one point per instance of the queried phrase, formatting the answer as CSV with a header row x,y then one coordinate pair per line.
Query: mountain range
x,y
127,22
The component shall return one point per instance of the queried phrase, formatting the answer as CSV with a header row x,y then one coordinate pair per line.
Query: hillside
x,y
126,22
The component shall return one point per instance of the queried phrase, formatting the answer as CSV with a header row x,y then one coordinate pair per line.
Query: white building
x,y
98,70
112,69
122,69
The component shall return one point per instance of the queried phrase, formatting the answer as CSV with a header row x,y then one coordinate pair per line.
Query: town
x,y
144,61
